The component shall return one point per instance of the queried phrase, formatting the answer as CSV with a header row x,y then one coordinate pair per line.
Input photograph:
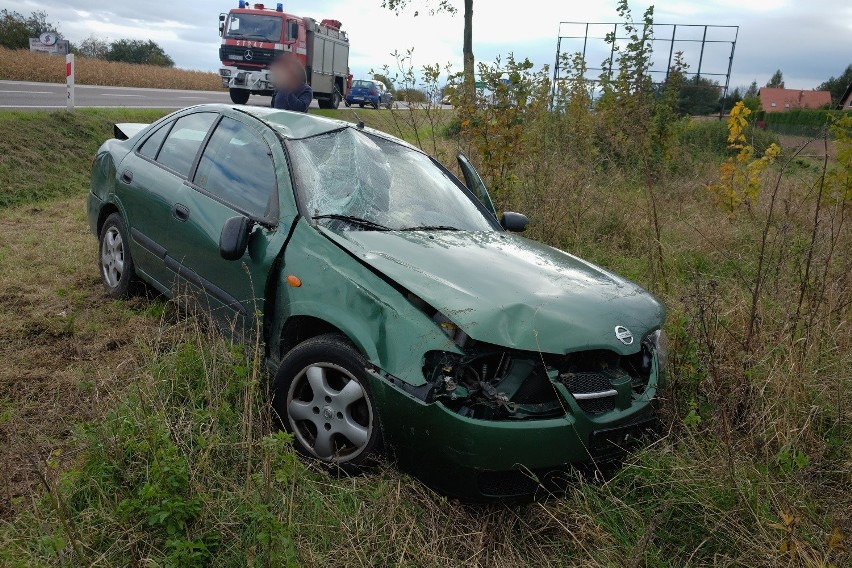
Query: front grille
x,y
234,54
590,383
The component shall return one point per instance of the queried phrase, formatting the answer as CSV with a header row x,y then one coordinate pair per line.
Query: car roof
x,y
296,125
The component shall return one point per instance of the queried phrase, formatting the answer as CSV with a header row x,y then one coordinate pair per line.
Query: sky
x,y
808,40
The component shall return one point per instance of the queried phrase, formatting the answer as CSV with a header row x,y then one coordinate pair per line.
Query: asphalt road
x,y
24,95
50,96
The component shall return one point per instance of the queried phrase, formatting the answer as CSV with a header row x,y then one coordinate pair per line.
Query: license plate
x,y
620,439
357,98
236,57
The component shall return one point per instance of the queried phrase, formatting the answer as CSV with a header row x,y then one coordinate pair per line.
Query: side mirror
x,y
515,222
222,24
233,241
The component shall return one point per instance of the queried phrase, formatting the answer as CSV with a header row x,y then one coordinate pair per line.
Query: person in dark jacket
x,y
292,91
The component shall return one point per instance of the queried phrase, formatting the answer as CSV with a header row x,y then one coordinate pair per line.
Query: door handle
x,y
126,176
181,212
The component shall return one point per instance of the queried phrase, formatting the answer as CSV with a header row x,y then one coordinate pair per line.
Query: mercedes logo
x,y
248,55
623,335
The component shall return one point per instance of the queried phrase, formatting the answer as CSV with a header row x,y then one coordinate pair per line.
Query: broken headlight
x,y
658,343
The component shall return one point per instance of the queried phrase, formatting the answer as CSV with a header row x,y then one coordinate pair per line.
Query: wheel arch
x,y
300,328
108,209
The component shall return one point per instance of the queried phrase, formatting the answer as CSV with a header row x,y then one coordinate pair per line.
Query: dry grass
x,y
708,494
23,65
63,354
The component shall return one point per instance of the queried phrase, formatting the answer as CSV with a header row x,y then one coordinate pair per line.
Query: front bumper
x,y
358,99
478,459
255,81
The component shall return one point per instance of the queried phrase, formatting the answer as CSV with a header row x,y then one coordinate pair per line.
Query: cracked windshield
x,y
376,184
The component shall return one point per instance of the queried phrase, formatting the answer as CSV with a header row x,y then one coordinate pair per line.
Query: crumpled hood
x,y
506,290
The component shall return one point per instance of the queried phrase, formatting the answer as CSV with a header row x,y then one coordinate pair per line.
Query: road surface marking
x,y
31,92
118,95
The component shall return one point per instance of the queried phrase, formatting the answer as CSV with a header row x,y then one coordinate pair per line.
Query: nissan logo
x,y
623,335
248,55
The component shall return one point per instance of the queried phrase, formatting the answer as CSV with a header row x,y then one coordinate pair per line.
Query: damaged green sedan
x,y
400,316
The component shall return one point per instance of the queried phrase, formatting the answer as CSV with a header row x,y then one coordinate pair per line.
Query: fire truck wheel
x,y
240,96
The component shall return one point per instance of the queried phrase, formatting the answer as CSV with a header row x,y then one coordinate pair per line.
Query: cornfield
x,y
22,65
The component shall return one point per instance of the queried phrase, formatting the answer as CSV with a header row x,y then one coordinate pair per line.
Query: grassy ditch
x,y
132,434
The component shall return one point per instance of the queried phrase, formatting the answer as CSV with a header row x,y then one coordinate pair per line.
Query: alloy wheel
x,y
112,257
329,413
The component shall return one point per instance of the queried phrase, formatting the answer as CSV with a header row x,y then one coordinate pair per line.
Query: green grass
x,y
155,445
47,155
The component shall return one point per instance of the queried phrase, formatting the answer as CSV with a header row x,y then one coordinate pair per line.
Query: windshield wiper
x,y
431,228
355,221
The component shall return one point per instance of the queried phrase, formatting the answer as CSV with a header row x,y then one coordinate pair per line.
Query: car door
x,y
474,183
150,179
236,175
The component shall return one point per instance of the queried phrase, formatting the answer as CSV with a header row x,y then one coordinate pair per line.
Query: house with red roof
x,y
846,99
781,99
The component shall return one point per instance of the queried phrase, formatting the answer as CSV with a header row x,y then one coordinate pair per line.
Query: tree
x,y
92,47
467,43
732,98
837,85
384,79
140,52
17,29
698,96
776,81
752,90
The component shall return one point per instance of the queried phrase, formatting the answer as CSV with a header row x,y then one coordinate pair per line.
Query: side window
x,y
182,144
236,167
152,144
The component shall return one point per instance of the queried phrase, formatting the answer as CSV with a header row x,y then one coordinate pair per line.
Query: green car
x,y
399,315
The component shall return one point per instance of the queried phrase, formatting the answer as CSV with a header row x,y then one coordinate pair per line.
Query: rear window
x,y
362,84
181,146
152,144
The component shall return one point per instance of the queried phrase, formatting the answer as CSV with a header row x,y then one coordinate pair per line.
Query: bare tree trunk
x,y
469,80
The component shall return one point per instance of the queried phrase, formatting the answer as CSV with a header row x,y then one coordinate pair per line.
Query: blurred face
x,y
287,73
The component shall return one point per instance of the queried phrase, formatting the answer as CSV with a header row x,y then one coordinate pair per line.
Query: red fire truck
x,y
254,35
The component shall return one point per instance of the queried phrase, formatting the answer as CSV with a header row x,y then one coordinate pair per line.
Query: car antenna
x,y
360,124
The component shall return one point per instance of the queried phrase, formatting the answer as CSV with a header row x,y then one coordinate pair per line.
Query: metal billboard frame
x,y
612,38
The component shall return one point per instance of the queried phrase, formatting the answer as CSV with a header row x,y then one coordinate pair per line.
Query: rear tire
x,y
118,272
322,396
335,100
331,102
239,96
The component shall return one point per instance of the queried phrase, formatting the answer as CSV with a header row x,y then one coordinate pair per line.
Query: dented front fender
x,y
391,332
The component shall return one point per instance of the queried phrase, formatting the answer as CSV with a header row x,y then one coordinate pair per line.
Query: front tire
x,y
118,272
322,396
239,96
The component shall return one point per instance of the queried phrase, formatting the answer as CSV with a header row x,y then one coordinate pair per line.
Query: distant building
x,y
846,99
781,100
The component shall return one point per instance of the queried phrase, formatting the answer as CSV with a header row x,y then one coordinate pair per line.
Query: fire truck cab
x,y
253,36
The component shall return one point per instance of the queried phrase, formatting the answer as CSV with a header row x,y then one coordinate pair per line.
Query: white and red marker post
x,y
69,80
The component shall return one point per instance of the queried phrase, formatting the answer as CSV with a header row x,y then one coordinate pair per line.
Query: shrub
x,y
801,122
